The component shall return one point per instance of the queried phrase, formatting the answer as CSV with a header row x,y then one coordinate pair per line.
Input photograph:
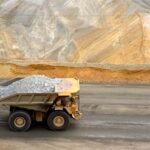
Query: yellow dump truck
x,y
56,108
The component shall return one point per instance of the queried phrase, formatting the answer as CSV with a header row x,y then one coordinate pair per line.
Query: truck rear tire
x,y
19,121
58,121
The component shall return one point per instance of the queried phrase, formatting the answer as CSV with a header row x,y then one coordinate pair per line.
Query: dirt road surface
x,y
115,117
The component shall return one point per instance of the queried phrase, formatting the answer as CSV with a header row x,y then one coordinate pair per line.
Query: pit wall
x,y
84,74
99,32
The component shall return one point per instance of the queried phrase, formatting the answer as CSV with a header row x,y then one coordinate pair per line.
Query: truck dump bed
x,y
32,101
29,99
40,101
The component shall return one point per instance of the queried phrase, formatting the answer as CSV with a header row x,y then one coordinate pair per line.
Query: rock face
x,y
78,31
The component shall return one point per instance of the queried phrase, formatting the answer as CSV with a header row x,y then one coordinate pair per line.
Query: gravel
x,y
31,84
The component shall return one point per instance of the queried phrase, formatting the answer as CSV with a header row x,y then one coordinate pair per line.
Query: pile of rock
x,y
31,84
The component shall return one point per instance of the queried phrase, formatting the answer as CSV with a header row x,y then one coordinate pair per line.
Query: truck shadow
x,y
38,131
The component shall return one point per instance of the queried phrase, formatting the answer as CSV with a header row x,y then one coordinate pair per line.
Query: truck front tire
x,y
19,121
58,121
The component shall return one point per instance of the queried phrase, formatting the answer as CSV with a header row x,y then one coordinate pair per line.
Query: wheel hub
x,y
58,121
19,122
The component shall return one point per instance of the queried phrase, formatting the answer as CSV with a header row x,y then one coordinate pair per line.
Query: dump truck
x,y
55,108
